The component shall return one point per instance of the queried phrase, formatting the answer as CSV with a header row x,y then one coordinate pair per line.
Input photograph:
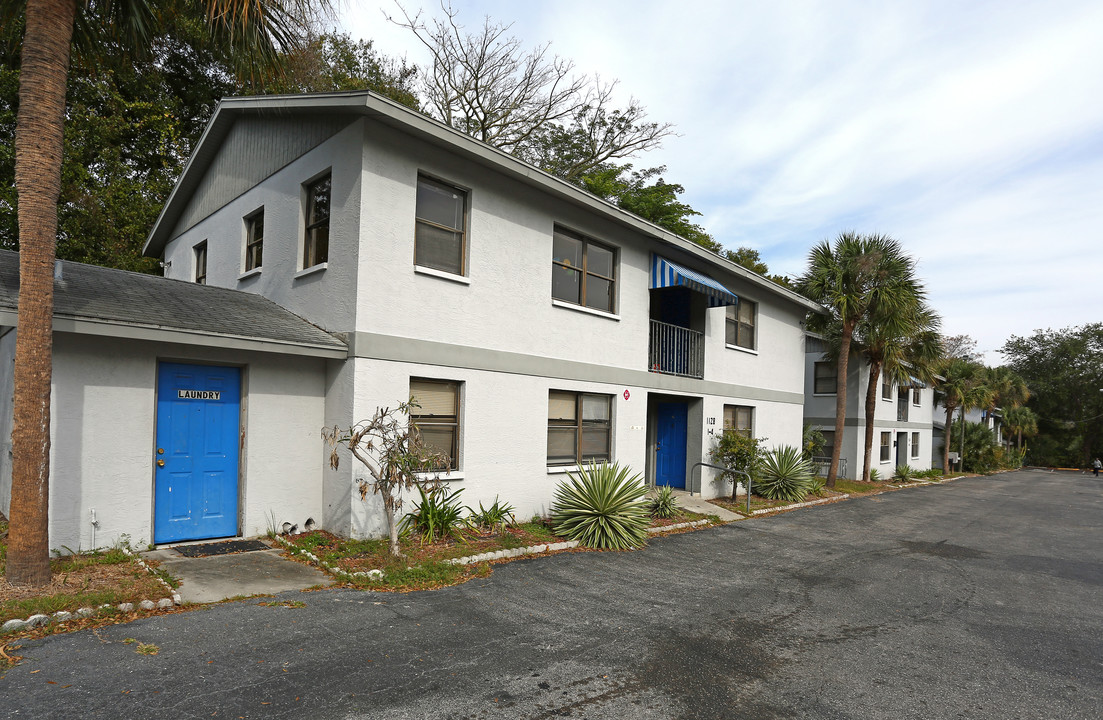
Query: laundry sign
x,y
198,394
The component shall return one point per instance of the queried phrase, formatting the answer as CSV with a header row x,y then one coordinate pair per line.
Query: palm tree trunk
x,y
948,438
38,147
871,412
840,403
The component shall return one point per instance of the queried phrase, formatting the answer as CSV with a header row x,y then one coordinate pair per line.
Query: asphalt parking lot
x,y
979,598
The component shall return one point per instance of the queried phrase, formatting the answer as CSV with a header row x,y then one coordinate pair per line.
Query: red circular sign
x,y
627,394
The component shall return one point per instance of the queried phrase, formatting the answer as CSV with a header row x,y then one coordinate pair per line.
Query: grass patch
x,y
102,577
857,487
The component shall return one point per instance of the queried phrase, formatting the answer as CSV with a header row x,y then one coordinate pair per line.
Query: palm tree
x,y
962,384
52,28
860,277
904,346
1022,422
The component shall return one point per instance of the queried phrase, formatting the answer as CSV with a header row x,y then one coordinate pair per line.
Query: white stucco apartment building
x,y
902,421
537,326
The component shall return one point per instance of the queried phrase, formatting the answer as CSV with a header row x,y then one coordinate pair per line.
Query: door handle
x,y
160,462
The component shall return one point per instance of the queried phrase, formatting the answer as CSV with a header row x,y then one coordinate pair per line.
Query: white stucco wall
x,y
324,296
103,425
820,411
7,399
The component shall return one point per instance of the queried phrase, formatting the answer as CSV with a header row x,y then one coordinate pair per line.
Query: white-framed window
x,y
580,427
437,416
584,271
740,324
316,235
201,263
886,446
915,445
739,418
826,378
440,226
886,389
917,396
254,240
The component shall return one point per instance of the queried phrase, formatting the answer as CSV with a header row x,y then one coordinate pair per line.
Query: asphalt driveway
x,y
981,598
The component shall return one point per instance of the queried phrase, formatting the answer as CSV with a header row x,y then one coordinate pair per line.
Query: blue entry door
x,y
196,475
670,445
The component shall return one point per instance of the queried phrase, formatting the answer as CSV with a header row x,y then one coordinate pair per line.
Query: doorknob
x,y
160,462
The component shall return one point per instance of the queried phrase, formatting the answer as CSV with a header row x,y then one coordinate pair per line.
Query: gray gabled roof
x,y
362,103
104,301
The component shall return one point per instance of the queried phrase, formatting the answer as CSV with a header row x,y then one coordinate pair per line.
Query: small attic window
x,y
201,263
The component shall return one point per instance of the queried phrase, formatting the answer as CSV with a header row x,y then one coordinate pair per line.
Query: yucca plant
x,y
905,473
663,504
437,515
497,517
816,485
785,475
874,475
602,506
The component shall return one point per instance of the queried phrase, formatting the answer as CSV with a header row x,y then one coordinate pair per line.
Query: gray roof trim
x,y
135,331
383,110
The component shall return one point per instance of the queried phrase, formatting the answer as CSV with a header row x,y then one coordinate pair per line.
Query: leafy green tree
x,y
657,201
748,258
334,62
962,384
979,446
858,279
52,29
1063,370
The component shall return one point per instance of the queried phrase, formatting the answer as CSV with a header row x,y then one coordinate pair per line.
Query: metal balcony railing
x,y
674,350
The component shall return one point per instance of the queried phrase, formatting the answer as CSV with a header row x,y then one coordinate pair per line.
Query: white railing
x,y
674,350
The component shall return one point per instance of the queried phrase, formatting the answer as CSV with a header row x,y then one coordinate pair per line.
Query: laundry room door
x,y
196,458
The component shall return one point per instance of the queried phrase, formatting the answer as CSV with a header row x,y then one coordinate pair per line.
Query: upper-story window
x,y
440,237
254,240
583,271
886,389
916,396
826,379
741,324
316,238
201,263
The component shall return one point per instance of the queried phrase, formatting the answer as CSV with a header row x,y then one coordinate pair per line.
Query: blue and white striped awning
x,y
667,273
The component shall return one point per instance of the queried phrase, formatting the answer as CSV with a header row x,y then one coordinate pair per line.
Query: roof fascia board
x,y
80,326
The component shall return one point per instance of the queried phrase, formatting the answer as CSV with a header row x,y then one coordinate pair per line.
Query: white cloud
x,y
970,131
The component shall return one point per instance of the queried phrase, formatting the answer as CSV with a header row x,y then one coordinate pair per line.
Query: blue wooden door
x,y
670,445
196,476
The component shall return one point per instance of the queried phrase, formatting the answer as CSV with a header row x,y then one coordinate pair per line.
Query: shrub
x,y
932,474
437,515
786,475
874,475
602,506
905,473
737,452
663,504
816,485
498,516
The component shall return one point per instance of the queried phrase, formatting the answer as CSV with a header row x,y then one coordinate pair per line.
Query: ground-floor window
x,y
580,427
915,444
739,418
886,446
437,416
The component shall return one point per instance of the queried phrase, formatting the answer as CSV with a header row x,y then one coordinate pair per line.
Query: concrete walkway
x,y
697,504
218,577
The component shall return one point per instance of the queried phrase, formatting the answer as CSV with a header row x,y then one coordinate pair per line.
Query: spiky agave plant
x,y
602,506
785,475
663,504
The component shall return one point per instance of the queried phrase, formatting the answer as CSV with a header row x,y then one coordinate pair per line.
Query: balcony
x,y
674,350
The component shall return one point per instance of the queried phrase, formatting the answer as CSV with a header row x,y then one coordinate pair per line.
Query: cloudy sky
x,y
970,131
